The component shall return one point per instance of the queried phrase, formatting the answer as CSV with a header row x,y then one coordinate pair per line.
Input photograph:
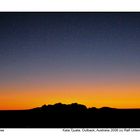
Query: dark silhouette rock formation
x,y
70,116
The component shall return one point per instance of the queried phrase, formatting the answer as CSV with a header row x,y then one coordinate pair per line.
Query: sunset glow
x,y
91,59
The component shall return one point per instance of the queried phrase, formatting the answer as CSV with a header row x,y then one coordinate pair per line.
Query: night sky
x,y
88,58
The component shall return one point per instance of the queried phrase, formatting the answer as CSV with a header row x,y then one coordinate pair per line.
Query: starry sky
x,y
88,58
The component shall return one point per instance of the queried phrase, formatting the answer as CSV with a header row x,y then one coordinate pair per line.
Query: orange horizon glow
x,y
92,94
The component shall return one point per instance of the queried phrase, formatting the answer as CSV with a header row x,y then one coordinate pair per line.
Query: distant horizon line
x,y
66,105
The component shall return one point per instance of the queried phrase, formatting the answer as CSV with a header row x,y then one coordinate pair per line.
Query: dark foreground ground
x,y
70,116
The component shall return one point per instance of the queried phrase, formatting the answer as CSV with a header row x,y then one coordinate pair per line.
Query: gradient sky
x,y
88,58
